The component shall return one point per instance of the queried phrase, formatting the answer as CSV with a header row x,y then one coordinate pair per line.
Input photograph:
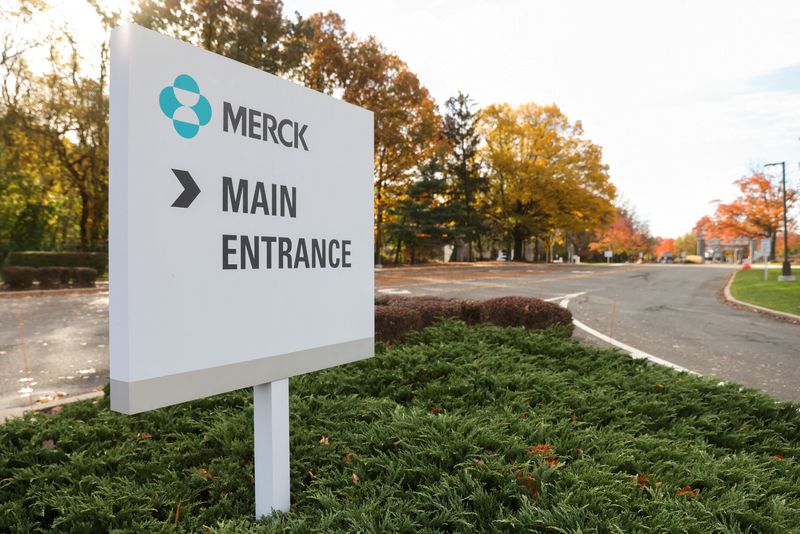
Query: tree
x,y
422,218
686,244
254,32
543,176
363,72
664,246
463,169
756,212
622,237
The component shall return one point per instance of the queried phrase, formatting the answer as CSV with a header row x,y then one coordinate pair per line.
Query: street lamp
x,y
786,272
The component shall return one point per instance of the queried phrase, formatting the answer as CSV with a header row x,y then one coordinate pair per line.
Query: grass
x,y
749,286
460,429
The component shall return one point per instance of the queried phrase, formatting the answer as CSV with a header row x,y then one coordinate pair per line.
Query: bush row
x,y
96,260
396,316
22,276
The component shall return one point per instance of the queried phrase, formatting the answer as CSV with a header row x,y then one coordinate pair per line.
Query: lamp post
x,y
786,271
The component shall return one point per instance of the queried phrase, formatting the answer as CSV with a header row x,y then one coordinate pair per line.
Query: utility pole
x,y
786,271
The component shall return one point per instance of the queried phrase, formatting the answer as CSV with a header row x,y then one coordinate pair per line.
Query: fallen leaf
x,y
348,456
98,388
144,435
48,444
777,457
355,478
324,440
543,448
478,461
688,491
435,410
178,513
660,386
642,481
311,473
206,474
526,415
528,481
573,417
658,484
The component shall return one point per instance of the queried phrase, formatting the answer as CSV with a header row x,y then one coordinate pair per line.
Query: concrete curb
x,y
730,300
53,292
10,413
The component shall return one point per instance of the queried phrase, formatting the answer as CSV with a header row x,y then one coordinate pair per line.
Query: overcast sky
x,y
684,97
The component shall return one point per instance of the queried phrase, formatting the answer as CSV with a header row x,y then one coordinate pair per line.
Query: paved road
x,y
672,312
66,341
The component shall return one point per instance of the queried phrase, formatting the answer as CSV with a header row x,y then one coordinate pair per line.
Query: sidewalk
x,y
100,287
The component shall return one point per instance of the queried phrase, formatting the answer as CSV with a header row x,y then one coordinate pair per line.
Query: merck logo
x,y
183,103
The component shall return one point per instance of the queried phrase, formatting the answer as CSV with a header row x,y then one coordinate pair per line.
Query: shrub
x,y
96,260
19,277
430,309
84,276
471,311
394,322
531,313
51,277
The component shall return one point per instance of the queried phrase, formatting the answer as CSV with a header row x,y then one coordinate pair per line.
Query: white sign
x,y
241,217
766,247
608,254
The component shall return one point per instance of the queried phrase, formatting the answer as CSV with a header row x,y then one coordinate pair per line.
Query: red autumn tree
x,y
756,212
623,237
664,245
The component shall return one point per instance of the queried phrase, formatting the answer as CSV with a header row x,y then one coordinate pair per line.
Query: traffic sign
x,y
241,244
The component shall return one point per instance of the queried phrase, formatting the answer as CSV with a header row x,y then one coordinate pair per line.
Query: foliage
x,y
19,277
465,176
623,237
84,276
51,277
531,313
543,176
95,260
686,243
421,218
756,212
460,429
750,286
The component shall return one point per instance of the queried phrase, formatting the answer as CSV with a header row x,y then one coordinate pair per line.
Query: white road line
x,y
634,352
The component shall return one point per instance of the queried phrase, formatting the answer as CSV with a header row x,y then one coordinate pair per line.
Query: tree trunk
x,y
519,241
536,249
378,233
84,221
397,252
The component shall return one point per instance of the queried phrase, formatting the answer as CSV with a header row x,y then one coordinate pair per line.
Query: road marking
x,y
394,291
634,352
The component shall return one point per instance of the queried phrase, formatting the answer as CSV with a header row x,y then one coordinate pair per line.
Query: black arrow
x,y
190,189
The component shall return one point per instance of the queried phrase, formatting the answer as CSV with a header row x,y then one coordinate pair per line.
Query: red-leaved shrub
x,y
394,322
531,313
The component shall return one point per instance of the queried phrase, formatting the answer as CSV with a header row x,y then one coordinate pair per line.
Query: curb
x,y
11,413
53,292
775,314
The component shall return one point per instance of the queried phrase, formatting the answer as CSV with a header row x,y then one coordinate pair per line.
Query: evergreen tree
x,y
463,169
422,219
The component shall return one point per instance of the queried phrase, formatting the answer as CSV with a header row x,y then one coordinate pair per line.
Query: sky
x,y
684,97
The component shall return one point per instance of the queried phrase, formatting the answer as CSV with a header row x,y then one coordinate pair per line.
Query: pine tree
x,y
463,169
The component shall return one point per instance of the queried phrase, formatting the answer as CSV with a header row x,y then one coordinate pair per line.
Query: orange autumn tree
x,y
664,245
624,237
756,212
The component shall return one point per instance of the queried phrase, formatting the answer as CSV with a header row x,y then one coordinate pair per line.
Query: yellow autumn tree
x,y
544,177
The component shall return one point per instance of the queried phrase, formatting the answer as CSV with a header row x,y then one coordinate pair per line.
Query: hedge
x,y
84,276
96,260
19,277
396,316
52,277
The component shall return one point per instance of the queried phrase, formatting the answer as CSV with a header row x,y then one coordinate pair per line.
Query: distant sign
x,y
766,247
241,219
608,254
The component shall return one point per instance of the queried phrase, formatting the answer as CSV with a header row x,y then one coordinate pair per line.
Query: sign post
x,y
766,250
608,254
240,243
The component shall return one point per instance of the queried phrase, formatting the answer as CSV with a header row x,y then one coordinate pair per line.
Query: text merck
x,y
260,125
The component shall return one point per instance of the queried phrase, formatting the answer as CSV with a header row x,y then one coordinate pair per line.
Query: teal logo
x,y
183,103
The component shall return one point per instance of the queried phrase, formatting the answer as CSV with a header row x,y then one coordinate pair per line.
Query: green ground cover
x,y
459,429
749,286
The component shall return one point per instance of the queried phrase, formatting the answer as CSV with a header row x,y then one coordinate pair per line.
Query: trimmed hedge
x,y
84,276
533,314
51,277
19,277
96,260
396,316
